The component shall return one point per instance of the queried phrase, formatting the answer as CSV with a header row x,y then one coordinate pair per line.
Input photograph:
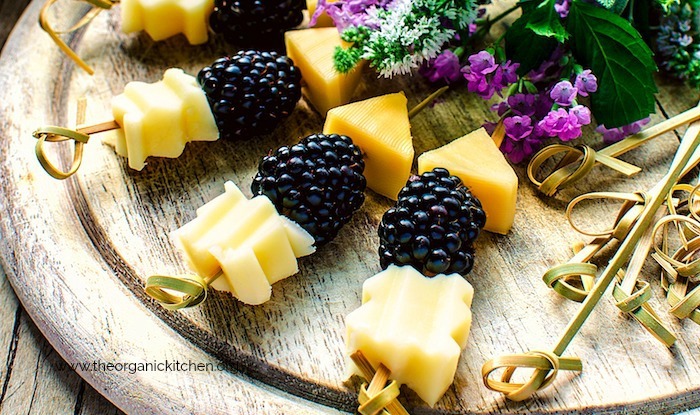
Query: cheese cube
x,y
380,127
482,167
251,244
161,19
158,119
302,242
231,228
312,52
243,275
414,325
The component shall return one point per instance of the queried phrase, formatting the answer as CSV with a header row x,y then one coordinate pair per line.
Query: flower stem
x,y
488,23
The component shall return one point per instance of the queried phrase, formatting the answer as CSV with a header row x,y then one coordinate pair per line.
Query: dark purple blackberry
x,y
317,183
256,22
432,226
250,92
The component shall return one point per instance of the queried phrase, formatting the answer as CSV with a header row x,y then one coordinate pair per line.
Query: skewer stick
x,y
685,157
378,381
569,171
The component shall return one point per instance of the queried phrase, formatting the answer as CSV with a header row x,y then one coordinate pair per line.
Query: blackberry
x,y
317,183
255,22
251,91
432,226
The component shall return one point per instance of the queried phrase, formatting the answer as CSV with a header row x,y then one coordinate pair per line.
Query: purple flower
x,y
518,127
582,114
485,77
482,63
613,135
549,68
586,83
505,74
519,150
478,83
563,93
500,108
445,67
561,124
522,104
345,13
562,7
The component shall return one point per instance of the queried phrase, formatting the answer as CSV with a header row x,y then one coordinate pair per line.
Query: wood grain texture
x,y
78,253
35,379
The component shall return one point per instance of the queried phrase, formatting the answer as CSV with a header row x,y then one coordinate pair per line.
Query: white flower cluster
x,y
411,32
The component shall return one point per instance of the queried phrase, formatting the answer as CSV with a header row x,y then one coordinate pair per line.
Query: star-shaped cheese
x,y
158,119
414,325
247,240
162,19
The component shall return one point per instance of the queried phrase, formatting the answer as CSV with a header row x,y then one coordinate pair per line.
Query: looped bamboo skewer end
x,y
98,5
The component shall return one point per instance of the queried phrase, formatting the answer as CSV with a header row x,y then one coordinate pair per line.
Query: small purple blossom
x,y
505,74
562,7
586,83
519,150
485,77
518,127
482,63
563,93
550,68
522,104
613,135
561,124
443,68
346,13
582,114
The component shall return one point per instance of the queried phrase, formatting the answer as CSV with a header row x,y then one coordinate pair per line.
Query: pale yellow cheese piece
x,y
414,325
246,240
380,127
231,228
312,52
323,20
482,167
243,275
162,19
268,240
302,242
158,119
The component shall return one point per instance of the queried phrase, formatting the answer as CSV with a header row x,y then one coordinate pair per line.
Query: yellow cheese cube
x,y
268,240
414,325
482,167
312,51
158,119
323,20
162,19
246,240
243,275
380,127
228,230
302,242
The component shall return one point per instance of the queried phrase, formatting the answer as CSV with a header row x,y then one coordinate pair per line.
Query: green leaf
x,y
527,47
545,21
615,6
622,62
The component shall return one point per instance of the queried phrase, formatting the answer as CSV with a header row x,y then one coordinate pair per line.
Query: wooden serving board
x,y
78,252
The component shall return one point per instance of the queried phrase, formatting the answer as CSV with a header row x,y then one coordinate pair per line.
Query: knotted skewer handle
x,y
579,161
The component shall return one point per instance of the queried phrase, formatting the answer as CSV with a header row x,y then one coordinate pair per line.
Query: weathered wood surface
x,y
77,253
35,379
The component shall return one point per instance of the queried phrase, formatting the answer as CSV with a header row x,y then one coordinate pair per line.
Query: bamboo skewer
x,y
569,171
543,376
